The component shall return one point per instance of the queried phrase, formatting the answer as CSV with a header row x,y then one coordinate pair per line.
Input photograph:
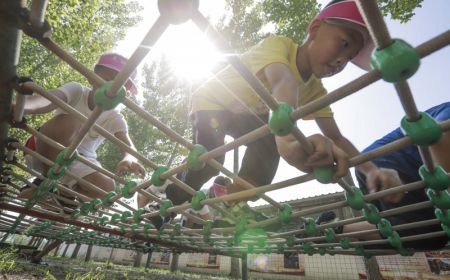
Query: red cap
x,y
347,10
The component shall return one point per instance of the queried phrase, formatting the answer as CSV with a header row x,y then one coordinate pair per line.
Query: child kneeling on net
x,y
63,128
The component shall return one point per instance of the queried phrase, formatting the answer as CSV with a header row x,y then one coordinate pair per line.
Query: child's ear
x,y
313,28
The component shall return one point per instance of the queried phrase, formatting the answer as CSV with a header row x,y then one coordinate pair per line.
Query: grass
x,y
76,269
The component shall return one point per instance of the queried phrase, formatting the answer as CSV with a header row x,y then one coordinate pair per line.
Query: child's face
x,y
332,47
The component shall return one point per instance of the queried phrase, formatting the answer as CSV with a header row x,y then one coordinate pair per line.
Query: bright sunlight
x,y
190,53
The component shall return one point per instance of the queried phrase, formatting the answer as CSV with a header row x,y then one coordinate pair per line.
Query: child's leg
x,y
260,161
103,182
62,129
209,131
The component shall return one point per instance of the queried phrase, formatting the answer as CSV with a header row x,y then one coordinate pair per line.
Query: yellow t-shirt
x,y
227,90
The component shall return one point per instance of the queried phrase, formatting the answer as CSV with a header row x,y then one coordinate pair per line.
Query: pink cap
x,y
348,11
117,62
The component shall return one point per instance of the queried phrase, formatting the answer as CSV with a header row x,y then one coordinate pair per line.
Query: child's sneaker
x,y
329,217
326,217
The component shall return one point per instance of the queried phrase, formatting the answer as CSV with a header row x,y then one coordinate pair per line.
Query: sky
x,y
362,117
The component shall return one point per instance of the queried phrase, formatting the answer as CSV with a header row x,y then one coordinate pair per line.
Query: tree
x,y
248,21
402,10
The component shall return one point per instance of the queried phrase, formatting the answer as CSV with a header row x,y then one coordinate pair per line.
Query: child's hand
x,y
383,179
130,166
326,153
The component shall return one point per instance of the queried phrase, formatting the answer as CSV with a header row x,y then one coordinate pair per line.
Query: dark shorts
x,y
259,163
409,217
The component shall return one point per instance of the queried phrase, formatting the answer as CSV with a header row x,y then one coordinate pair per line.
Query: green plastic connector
x,y
396,62
85,209
280,248
241,225
106,199
443,216
307,246
324,174
355,199
166,204
440,199
446,229
330,235
322,251
65,162
134,228
404,252
125,216
207,227
126,190
198,197
310,227
103,101
438,180
285,213
290,241
385,228
193,162
147,227
423,132
156,176
371,214
114,218
280,123
394,240
94,205
52,175
137,215
345,243
75,213
359,250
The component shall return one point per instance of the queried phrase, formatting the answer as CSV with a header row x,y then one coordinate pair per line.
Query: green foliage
x,y
291,18
402,10
248,21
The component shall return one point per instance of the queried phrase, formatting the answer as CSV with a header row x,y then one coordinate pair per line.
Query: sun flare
x,y
190,54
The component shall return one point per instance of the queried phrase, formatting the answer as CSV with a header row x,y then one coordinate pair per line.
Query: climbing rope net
x,y
97,221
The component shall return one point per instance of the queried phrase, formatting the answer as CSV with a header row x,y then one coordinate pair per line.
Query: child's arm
x,y
128,163
377,178
37,104
283,83
325,152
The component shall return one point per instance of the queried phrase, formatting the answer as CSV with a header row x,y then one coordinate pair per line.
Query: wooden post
x,y
88,253
234,270
372,268
75,251
244,267
137,259
65,250
149,259
174,263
